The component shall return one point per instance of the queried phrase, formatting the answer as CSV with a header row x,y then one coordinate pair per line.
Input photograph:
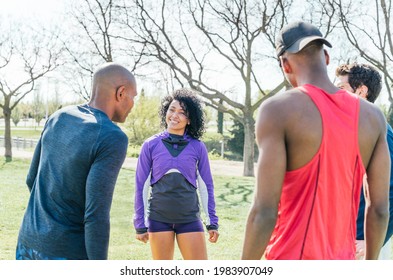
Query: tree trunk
x,y
248,149
7,133
220,122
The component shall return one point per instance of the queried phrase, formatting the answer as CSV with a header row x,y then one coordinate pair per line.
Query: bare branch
x,y
380,37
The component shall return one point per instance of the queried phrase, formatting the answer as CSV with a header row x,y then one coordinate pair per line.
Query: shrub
x,y
212,141
143,120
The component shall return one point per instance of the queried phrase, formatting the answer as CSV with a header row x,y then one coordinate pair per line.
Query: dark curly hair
x,y
191,105
362,74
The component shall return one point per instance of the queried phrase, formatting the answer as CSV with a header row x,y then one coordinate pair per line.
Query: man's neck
x,y
102,107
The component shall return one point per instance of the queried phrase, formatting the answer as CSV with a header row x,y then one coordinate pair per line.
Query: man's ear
x,y
120,93
286,67
327,57
363,91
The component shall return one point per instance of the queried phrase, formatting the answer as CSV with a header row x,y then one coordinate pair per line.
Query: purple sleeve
x,y
141,177
206,176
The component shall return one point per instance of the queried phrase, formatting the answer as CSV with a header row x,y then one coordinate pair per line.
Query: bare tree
x,y
88,44
367,27
189,36
91,42
191,42
34,56
38,106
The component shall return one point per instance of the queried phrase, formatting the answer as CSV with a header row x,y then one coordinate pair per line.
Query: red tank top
x,y
319,201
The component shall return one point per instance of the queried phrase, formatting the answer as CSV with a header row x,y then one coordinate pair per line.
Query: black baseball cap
x,y
295,36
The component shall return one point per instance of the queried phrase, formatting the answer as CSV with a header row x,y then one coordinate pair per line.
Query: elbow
x,y
264,217
380,213
30,187
383,214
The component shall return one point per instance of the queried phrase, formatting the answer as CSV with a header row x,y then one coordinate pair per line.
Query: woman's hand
x,y
213,235
144,237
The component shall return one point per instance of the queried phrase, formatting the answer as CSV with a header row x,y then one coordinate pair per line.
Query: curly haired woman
x,y
174,163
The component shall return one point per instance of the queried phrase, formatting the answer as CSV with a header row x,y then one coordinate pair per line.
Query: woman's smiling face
x,y
176,118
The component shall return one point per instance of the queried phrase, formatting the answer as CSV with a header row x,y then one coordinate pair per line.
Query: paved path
x,y
218,167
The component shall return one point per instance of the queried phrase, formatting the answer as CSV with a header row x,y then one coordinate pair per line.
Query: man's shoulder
x,y
371,119
64,110
114,129
371,110
286,102
288,95
111,133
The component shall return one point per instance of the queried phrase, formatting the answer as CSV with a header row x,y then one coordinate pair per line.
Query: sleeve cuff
x,y
212,227
141,230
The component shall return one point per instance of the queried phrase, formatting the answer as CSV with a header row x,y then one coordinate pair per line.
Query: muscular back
x,y
301,125
322,148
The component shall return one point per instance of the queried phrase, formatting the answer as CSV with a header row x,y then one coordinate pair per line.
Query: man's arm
x,y
377,196
99,192
35,162
271,168
32,174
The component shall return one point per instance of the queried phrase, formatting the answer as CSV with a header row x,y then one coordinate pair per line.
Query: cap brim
x,y
301,43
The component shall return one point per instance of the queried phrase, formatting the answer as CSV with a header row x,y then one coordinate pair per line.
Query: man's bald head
x,y
113,91
110,76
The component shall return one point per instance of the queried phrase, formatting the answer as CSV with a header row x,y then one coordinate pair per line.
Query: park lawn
x,y
233,198
24,133
27,133
13,201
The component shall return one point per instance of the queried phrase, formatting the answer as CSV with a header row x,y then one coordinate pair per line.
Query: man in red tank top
x,y
316,143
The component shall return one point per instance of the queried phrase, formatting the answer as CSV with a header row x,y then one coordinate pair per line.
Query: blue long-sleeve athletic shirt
x,y
72,178
155,161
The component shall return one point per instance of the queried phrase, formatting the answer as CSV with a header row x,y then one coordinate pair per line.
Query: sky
x,y
44,9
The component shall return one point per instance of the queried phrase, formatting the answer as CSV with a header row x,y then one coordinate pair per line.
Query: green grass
x,y
233,196
13,200
32,133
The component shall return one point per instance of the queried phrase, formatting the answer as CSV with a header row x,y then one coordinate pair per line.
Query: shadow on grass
x,y
235,194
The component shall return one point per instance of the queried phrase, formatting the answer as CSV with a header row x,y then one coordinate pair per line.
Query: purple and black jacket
x,y
155,161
